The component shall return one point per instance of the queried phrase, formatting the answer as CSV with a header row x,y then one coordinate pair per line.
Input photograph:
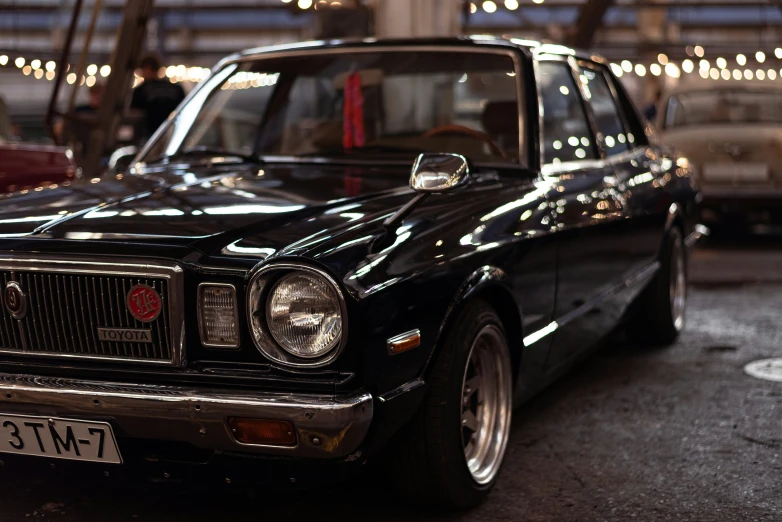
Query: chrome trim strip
x,y
236,317
170,271
553,326
401,390
326,425
263,340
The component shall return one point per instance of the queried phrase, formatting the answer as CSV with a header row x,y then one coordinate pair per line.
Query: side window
x,y
566,135
605,111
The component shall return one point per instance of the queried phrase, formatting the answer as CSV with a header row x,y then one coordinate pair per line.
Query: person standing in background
x,y
156,97
650,112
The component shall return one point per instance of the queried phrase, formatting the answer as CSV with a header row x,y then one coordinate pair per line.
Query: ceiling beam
x,y
590,18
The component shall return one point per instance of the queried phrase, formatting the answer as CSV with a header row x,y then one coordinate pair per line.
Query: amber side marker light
x,y
403,342
261,431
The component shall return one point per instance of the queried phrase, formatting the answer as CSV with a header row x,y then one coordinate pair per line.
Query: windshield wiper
x,y
361,151
214,153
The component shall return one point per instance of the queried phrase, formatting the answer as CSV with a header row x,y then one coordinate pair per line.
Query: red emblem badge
x,y
144,303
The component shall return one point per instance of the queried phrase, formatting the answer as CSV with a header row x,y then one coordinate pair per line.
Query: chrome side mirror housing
x,y
439,172
120,160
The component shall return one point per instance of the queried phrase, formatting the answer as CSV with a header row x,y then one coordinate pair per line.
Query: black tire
x,y
659,314
429,463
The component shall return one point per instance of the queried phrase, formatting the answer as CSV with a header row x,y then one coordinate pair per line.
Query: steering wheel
x,y
465,131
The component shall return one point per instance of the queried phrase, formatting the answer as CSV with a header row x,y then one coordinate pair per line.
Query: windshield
x,y
390,103
716,107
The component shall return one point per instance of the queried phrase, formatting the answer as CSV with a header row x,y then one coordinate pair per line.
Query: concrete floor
x,y
648,434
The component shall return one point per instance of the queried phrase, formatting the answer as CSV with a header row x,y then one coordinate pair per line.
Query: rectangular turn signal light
x,y
261,431
403,342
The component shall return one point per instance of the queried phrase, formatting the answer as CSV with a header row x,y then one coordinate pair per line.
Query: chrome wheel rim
x,y
486,404
678,285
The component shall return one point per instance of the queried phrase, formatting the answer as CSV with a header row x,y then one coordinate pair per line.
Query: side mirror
x,y
439,172
120,159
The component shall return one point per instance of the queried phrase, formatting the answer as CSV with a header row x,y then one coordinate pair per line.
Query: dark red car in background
x,y
26,166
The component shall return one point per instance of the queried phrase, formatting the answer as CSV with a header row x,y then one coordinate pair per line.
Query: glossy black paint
x,y
545,248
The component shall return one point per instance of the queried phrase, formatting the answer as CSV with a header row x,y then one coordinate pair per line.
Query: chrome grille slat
x,y
66,308
8,335
51,312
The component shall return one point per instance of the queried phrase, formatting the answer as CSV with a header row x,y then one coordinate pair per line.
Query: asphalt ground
x,y
680,433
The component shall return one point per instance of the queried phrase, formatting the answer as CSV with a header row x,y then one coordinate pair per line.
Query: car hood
x,y
210,208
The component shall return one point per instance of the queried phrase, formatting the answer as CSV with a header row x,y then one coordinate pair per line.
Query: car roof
x,y
535,47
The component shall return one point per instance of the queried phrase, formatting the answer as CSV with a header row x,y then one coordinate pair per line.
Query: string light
x,y
105,70
760,56
50,65
741,60
19,62
688,67
672,71
715,74
640,70
704,64
3,59
760,74
627,66
771,74
722,63
489,6
511,5
655,69
35,64
725,74
699,52
662,58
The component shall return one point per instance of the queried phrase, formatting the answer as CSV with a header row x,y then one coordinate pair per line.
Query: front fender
x,y
492,284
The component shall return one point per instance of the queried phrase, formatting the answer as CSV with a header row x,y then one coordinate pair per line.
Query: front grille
x,y
66,305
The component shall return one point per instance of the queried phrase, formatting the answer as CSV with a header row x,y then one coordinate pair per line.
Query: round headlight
x,y
304,315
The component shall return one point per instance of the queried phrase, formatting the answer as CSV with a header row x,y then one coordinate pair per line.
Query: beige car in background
x,y
732,135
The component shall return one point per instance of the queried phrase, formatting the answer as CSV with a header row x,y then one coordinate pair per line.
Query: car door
x,y
637,184
642,179
573,154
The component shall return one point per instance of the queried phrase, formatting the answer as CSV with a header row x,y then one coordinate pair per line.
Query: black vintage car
x,y
264,280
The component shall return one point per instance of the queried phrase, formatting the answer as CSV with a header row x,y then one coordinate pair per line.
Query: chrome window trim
x,y
237,330
172,272
263,339
511,51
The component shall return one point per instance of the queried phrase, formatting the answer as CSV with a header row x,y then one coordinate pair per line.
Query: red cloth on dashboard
x,y
353,113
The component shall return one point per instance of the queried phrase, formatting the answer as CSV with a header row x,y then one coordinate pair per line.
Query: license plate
x,y
752,172
59,438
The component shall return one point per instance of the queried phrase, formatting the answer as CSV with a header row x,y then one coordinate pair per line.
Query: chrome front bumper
x,y
327,426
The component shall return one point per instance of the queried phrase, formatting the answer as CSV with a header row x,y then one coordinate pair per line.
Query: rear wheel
x,y
661,307
451,453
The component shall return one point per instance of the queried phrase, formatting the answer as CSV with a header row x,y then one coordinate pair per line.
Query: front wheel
x,y
451,453
660,314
